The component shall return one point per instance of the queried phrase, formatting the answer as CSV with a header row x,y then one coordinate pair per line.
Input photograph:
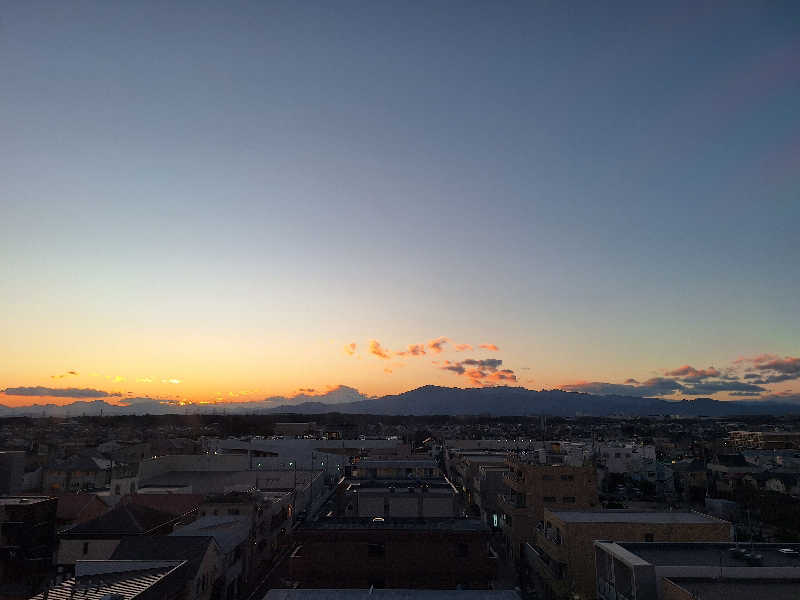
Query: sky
x,y
205,201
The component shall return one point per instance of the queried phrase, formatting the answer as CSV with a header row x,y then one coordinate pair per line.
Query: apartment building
x,y
392,553
27,542
532,487
562,552
691,571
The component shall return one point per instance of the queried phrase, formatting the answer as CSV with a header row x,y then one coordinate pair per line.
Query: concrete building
x,y
562,552
396,469
691,571
624,458
393,553
27,543
532,487
433,498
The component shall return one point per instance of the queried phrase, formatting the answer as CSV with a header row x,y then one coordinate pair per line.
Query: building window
x,y
549,499
568,499
462,549
648,537
567,477
85,548
547,478
376,550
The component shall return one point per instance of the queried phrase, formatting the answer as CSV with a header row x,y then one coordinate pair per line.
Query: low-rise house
x,y
98,538
204,566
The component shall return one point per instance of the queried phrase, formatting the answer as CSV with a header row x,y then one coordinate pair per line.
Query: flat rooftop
x,y
624,516
717,554
390,594
377,463
438,524
741,589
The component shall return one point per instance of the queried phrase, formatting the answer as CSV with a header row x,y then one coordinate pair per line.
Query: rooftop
x,y
149,582
440,524
389,594
741,589
20,500
624,516
722,554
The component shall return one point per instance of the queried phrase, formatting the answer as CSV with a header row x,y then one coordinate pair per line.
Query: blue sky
x,y
235,191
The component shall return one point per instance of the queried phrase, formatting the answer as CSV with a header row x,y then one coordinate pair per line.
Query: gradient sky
x,y
226,194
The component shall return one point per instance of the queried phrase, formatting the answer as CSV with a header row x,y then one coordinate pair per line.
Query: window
x,y
616,455
648,537
568,499
233,511
85,548
547,478
549,499
376,550
462,549
567,477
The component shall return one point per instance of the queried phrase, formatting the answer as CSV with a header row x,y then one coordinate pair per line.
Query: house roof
x,y
79,507
227,531
623,516
153,583
192,549
174,504
124,519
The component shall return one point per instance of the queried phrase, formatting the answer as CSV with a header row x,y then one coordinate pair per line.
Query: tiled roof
x,y
124,519
175,504
79,507
191,549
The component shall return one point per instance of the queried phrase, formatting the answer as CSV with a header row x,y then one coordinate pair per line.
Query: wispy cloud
x,y
688,373
376,349
171,381
463,347
412,350
492,347
350,348
59,392
437,345
144,380
62,375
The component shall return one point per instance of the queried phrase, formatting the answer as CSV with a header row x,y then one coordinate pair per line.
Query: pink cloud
x,y
413,350
689,373
492,347
436,346
350,348
462,347
376,349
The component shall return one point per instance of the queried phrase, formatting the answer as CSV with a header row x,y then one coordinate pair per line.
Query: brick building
x,y
393,553
532,487
562,553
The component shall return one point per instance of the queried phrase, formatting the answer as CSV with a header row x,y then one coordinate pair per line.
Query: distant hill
x,y
431,400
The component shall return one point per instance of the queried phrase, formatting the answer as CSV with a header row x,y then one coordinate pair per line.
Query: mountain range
x,y
427,400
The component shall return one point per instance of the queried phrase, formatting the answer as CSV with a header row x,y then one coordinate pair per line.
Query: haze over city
x,y
277,199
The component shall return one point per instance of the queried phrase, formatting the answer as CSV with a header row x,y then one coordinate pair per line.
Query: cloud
x,y
760,358
350,348
631,380
145,400
462,347
59,392
713,387
688,373
387,370
480,371
492,347
171,381
413,350
785,366
62,375
436,346
784,397
144,380
375,348
656,386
